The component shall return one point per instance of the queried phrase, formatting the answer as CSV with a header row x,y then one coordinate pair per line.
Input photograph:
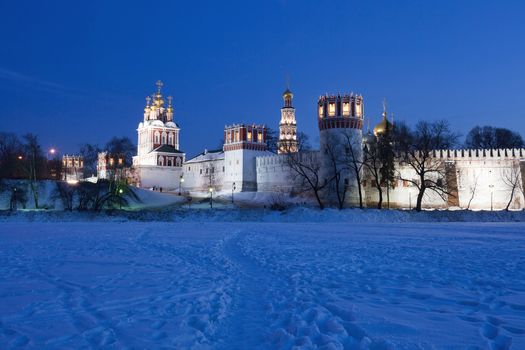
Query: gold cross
x,y
159,85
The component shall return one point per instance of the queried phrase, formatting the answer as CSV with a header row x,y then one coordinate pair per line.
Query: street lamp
x,y
491,197
181,180
211,197
233,189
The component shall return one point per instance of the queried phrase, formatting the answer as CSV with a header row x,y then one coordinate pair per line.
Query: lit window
x,y
331,109
249,135
321,111
358,109
259,136
346,108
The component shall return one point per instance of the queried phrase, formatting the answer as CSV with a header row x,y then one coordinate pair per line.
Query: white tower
x,y
242,144
340,119
288,126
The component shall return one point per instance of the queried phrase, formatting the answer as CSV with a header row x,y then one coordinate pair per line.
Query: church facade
x,y
477,178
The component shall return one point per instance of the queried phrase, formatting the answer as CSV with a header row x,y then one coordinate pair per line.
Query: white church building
x,y
245,164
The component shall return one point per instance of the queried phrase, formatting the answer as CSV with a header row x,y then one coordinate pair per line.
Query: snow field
x,y
247,285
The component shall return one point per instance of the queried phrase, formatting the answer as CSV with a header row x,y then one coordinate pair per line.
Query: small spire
x,y
384,108
148,101
170,99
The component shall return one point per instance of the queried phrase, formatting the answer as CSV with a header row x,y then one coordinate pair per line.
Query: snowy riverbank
x,y
294,214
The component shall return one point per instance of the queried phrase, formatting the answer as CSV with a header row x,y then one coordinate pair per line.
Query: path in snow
x,y
262,285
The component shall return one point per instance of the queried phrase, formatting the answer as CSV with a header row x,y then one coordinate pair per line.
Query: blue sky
x,y
76,72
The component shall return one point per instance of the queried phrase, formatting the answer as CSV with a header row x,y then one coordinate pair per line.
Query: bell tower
x,y
288,126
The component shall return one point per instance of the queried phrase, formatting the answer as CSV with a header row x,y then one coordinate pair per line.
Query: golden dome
x,y
383,127
287,93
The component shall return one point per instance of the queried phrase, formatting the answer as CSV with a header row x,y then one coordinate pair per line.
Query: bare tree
x,y
10,151
418,148
487,137
378,159
511,177
272,139
335,156
89,153
472,190
305,166
32,164
353,159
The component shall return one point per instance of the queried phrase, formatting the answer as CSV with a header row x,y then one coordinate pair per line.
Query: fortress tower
x,y
340,120
159,160
242,143
288,126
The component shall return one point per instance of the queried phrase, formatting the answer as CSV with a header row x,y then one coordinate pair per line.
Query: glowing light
x,y
346,108
120,191
52,151
211,189
331,109
72,182
20,157
181,179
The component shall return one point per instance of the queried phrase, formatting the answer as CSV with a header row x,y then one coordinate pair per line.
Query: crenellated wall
x,y
275,175
478,179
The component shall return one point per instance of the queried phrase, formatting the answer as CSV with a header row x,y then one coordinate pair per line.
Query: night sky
x,y
76,72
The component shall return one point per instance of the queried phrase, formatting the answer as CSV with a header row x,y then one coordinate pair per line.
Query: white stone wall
x,y
275,175
479,175
155,176
197,175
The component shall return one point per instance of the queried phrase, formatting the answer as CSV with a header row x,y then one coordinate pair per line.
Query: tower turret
x,y
340,120
288,126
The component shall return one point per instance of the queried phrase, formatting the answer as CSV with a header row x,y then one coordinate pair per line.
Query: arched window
x,y
170,138
157,137
164,138
160,161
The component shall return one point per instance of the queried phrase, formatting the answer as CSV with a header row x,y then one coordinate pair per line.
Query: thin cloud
x,y
29,82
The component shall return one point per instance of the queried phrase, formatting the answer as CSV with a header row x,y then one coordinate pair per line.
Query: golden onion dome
x,y
383,127
287,93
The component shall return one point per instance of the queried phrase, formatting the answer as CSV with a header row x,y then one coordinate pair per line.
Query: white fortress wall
x,y
157,176
481,178
275,175
199,176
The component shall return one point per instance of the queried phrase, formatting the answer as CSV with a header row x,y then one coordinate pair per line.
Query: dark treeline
x,y
24,163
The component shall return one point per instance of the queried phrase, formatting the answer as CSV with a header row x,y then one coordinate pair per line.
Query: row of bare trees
x,y
346,158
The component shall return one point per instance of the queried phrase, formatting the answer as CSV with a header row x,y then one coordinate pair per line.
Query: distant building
x,y
72,168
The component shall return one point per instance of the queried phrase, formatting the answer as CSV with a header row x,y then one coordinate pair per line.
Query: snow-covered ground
x,y
248,285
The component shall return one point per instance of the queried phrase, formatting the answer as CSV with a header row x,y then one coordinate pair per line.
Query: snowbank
x,y
295,214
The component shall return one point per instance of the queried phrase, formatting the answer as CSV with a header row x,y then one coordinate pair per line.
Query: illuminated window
x,y
346,108
236,135
249,135
259,137
321,111
331,109
358,109
111,161
120,161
